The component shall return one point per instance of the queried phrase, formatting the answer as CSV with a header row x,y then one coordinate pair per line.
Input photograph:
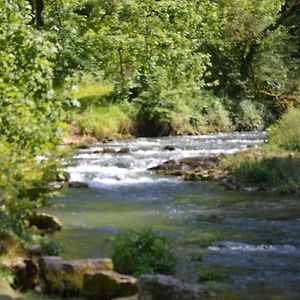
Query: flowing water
x,y
253,238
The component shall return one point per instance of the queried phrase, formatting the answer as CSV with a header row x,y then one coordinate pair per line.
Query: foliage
x,y
248,117
206,273
157,53
286,134
30,116
29,113
24,186
140,252
75,39
49,246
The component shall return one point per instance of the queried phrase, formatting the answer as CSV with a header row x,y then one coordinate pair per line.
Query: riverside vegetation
x,y
108,69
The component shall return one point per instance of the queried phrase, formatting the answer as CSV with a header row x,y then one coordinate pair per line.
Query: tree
x,y
30,115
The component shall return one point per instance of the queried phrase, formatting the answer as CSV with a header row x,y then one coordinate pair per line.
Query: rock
x,y
124,150
45,222
8,293
63,176
10,244
77,185
34,250
109,151
66,277
97,152
169,148
160,287
108,285
26,275
192,168
83,146
168,166
204,162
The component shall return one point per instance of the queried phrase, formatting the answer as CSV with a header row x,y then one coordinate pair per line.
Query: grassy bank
x,y
100,116
276,165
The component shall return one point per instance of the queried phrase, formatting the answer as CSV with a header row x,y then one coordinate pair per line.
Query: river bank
x,y
250,170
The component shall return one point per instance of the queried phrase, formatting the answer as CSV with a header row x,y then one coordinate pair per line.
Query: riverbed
x,y
253,238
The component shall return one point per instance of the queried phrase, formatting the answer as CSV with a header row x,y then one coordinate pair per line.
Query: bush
x,y
173,112
140,252
214,112
49,246
248,116
266,170
286,134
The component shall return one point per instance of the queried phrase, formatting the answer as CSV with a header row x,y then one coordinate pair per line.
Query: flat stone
x,y
108,285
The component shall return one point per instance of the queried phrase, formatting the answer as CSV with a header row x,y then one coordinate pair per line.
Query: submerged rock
x,y
77,185
161,287
66,277
45,222
108,151
108,285
124,150
63,176
168,167
169,148
192,168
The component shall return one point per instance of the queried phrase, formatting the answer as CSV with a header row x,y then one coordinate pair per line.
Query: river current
x,y
253,238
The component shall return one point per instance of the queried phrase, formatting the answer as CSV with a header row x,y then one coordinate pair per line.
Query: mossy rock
x,y
65,277
108,285
45,222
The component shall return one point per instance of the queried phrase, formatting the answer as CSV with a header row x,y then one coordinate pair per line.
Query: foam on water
x,y
104,170
242,247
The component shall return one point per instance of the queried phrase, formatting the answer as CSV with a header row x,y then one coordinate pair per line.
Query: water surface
x,y
254,238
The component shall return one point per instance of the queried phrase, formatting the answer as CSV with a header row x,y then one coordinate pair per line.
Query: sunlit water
x,y
253,238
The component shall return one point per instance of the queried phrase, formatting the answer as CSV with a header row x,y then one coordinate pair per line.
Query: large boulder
x,y
161,287
45,222
106,285
66,277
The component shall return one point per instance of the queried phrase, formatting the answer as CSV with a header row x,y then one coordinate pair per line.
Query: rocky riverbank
x,y
251,170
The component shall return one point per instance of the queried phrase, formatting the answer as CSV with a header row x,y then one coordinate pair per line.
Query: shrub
x,y
49,246
286,134
248,116
266,170
207,110
139,252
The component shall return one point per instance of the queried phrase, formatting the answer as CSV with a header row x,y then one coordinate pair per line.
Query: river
x,y
253,238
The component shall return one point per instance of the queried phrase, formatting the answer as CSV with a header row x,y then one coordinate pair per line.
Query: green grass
x,y
91,91
103,122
